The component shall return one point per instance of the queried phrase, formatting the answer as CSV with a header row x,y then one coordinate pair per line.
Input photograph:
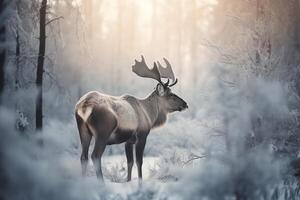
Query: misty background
x,y
237,62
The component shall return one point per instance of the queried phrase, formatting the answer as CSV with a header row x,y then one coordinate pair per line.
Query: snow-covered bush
x,y
116,172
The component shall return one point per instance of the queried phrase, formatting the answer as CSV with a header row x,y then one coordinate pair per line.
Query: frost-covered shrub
x,y
166,169
248,176
250,109
22,121
31,171
116,172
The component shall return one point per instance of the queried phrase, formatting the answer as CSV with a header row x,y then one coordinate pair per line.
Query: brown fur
x,y
114,120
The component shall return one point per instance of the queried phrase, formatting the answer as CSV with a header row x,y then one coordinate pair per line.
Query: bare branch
x,y
50,76
54,19
195,157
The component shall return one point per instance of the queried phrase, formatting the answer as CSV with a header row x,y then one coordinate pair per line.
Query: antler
x,y
167,72
141,69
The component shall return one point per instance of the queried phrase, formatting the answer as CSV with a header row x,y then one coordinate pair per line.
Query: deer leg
x,y
85,139
85,143
96,156
129,156
102,123
139,151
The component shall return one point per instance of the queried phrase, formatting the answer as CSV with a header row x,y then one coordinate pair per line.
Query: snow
x,y
72,165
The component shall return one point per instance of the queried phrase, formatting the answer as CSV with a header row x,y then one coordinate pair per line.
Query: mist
x,y
237,65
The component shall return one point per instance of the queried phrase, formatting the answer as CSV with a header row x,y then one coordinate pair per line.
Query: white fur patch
x,y
84,114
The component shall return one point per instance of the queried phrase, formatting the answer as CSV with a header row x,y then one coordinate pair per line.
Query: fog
x,y
237,66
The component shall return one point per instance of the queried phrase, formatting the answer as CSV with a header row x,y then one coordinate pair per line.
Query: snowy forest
x,y
238,68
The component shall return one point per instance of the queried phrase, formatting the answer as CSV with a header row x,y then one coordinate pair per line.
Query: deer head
x,y
169,101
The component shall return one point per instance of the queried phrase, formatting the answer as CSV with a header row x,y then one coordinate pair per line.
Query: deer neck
x,y
156,115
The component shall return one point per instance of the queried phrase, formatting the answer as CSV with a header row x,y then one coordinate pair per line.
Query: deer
x,y
126,119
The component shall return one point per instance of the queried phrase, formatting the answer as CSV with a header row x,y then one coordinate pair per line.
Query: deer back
x,y
122,110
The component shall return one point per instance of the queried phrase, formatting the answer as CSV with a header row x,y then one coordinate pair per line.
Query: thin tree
x,y
263,38
89,16
17,81
296,8
118,72
154,22
179,41
2,47
40,66
194,36
194,48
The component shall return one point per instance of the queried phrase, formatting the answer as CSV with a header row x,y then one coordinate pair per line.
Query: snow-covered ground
x,y
55,169
109,163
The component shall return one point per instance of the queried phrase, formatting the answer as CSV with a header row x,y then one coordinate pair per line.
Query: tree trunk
x,y
131,25
154,22
40,66
194,44
17,77
179,42
259,10
263,39
296,8
119,71
89,16
2,49
193,50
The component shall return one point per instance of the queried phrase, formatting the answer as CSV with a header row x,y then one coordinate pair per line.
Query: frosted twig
x,y
54,19
195,157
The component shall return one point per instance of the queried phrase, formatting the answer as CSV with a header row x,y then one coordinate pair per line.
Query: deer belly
x,y
120,136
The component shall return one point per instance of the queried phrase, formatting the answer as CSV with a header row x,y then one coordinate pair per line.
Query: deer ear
x,y
160,89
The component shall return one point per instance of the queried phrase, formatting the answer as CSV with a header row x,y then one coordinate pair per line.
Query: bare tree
x,y
2,47
118,71
132,25
194,35
89,16
194,47
263,37
154,21
18,52
179,42
296,8
40,66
